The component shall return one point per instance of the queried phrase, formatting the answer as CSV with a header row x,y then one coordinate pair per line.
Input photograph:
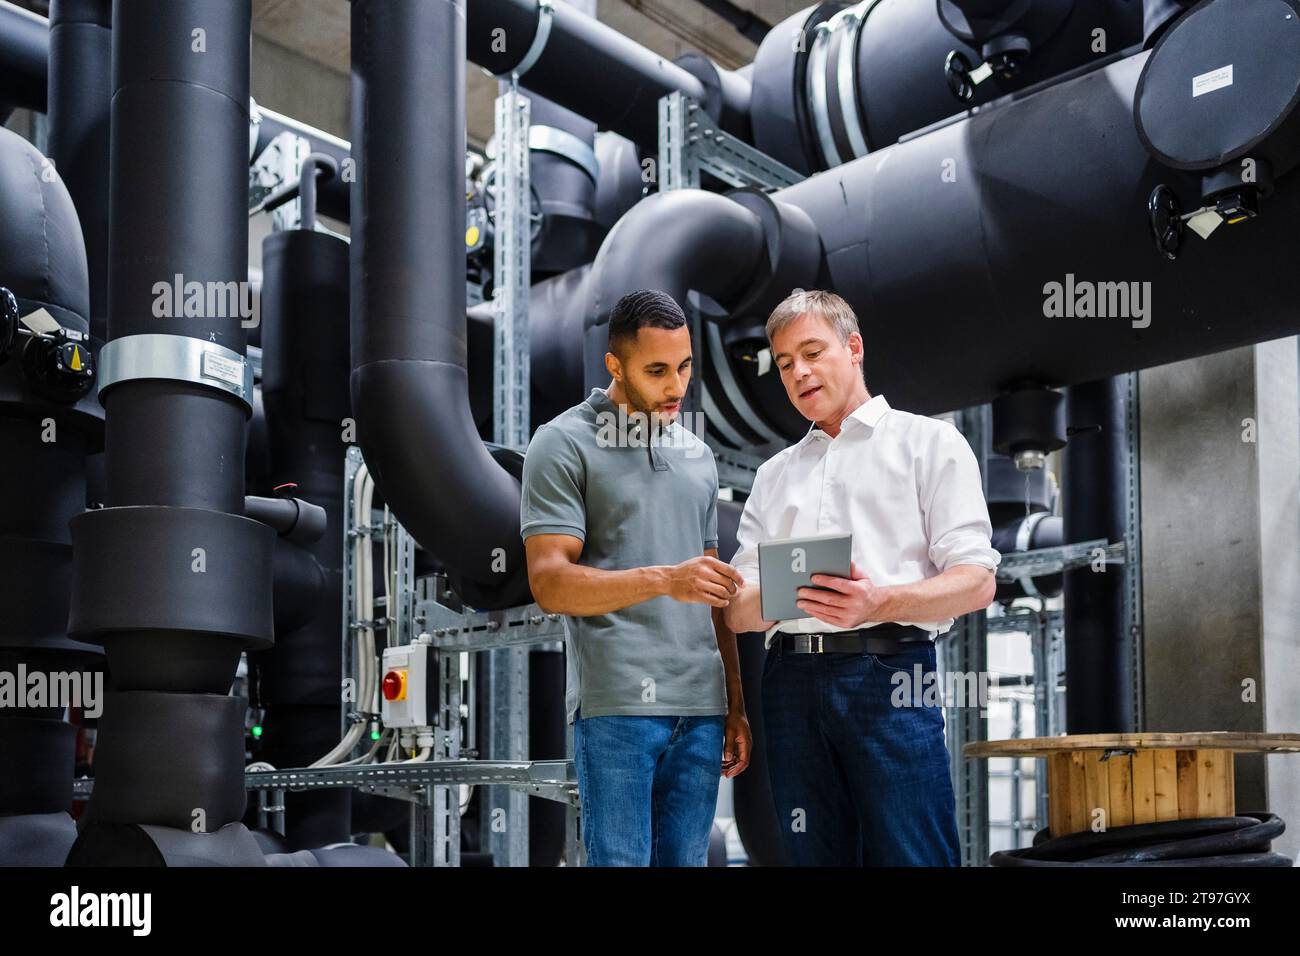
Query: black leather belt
x,y
881,639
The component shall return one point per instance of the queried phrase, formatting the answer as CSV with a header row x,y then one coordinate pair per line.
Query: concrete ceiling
x,y
316,31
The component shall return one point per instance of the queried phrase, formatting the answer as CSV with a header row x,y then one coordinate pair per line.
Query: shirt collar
x,y
600,401
869,413
634,428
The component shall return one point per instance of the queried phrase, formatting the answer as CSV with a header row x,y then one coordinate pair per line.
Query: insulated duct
x,y
42,486
409,381
80,71
555,322
1098,646
305,371
944,272
742,250
563,171
170,576
836,81
557,50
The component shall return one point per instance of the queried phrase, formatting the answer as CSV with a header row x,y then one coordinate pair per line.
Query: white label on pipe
x,y
223,369
1214,80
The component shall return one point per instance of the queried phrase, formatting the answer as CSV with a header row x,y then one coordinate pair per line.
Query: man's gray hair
x,y
829,306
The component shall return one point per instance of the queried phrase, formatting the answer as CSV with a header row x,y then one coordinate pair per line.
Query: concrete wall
x,y
1221,557
296,86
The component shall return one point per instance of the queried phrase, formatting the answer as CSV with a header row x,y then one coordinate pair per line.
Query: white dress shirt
x,y
906,486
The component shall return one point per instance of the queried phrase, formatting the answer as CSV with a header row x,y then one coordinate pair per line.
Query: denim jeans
x,y
856,780
649,788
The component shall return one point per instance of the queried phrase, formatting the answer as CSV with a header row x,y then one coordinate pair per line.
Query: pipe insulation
x,y
947,245
80,78
409,380
42,486
170,576
557,50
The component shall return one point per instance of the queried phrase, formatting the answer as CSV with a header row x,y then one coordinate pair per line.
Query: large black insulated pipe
x,y
945,271
867,74
42,486
630,79
80,70
1098,647
409,385
563,171
742,250
171,577
555,322
305,372
674,241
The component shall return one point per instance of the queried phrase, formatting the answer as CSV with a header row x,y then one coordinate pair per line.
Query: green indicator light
x,y
374,735
257,731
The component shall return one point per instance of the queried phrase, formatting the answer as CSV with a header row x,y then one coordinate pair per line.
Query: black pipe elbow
x,y
409,383
445,487
675,242
744,250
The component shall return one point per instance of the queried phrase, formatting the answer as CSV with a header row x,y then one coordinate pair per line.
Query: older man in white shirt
x,y
857,779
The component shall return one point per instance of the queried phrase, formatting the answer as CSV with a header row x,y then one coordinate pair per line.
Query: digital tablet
x,y
788,564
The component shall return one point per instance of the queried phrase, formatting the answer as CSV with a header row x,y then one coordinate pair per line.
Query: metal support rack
x,y
691,144
1033,564
964,648
504,811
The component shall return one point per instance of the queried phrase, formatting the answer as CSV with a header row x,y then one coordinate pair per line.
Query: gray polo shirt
x,y
636,497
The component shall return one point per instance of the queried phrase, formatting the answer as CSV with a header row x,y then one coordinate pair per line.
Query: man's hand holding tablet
x,y
845,602
787,569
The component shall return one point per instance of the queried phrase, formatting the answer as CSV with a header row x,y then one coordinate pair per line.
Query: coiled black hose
x,y
1209,841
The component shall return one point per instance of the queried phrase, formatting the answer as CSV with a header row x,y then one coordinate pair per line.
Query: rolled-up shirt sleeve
x,y
551,499
952,501
749,534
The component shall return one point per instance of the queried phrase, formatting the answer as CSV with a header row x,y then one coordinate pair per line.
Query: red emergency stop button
x,y
394,685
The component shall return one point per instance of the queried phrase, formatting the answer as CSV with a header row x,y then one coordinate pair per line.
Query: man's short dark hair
x,y
637,310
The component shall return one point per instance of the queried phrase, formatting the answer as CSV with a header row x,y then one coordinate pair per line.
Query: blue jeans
x,y
649,788
856,780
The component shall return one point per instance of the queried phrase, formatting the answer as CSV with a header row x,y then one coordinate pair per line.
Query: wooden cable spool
x,y
1097,781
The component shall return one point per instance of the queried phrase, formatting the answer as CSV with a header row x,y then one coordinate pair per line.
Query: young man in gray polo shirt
x,y
619,519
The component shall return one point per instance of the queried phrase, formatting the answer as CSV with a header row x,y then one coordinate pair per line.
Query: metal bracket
x,y
689,143
548,139
512,250
179,358
545,13
276,167
1055,560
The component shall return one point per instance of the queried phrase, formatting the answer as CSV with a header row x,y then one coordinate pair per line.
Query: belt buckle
x,y
808,643
803,644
